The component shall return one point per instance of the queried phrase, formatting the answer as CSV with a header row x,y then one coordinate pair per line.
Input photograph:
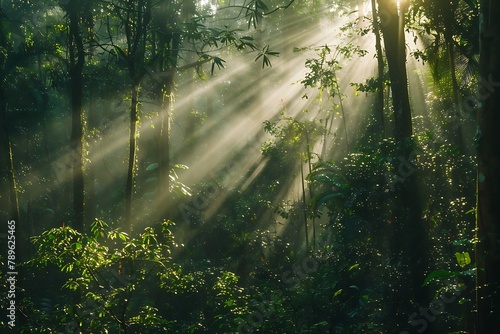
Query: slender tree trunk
x,y
304,206
13,206
165,133
164,143
379,106
136,35
77,59
488,179
129,187
5,144
309,164
169,65
170,41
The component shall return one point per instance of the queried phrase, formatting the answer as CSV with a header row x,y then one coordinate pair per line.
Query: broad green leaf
x,y
463,258
438,274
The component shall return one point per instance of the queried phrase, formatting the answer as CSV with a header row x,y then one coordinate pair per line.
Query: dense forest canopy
x,y
241,166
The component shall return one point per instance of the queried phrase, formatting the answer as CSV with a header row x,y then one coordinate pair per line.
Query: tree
x,y
379,111
407,244
488,173
169,37
5,143
75,10
135,17
392,26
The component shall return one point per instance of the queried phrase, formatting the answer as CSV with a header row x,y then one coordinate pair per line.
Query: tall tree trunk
x,y
167,98
407,241
379,104
169,48
5,144
136,34
8,165
129,187
392,26
164,143
169,41
488,183
77,59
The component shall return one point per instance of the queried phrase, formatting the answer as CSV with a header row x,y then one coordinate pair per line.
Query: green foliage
x,y
118,281
329,185
370,85
446,23
323,70
254,12
291,135
264,54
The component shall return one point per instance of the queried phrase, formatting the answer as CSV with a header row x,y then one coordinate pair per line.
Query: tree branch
x,y
280,7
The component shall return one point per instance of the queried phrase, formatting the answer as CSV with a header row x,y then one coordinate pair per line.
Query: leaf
x,y
463,258
181,166
471,211
338,292
68,267
217,61
439,274
153,166
354,266
261,5
264,55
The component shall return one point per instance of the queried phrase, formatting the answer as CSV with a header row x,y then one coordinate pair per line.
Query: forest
x,y
250,166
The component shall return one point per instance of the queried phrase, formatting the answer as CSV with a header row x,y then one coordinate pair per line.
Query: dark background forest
x,y
250,166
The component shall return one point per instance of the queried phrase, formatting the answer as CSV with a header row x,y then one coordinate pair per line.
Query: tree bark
x,y
13,206
408,238
488,178
129,187
136,36
169,69
392,27
169,41
379,104
5,144
77,60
